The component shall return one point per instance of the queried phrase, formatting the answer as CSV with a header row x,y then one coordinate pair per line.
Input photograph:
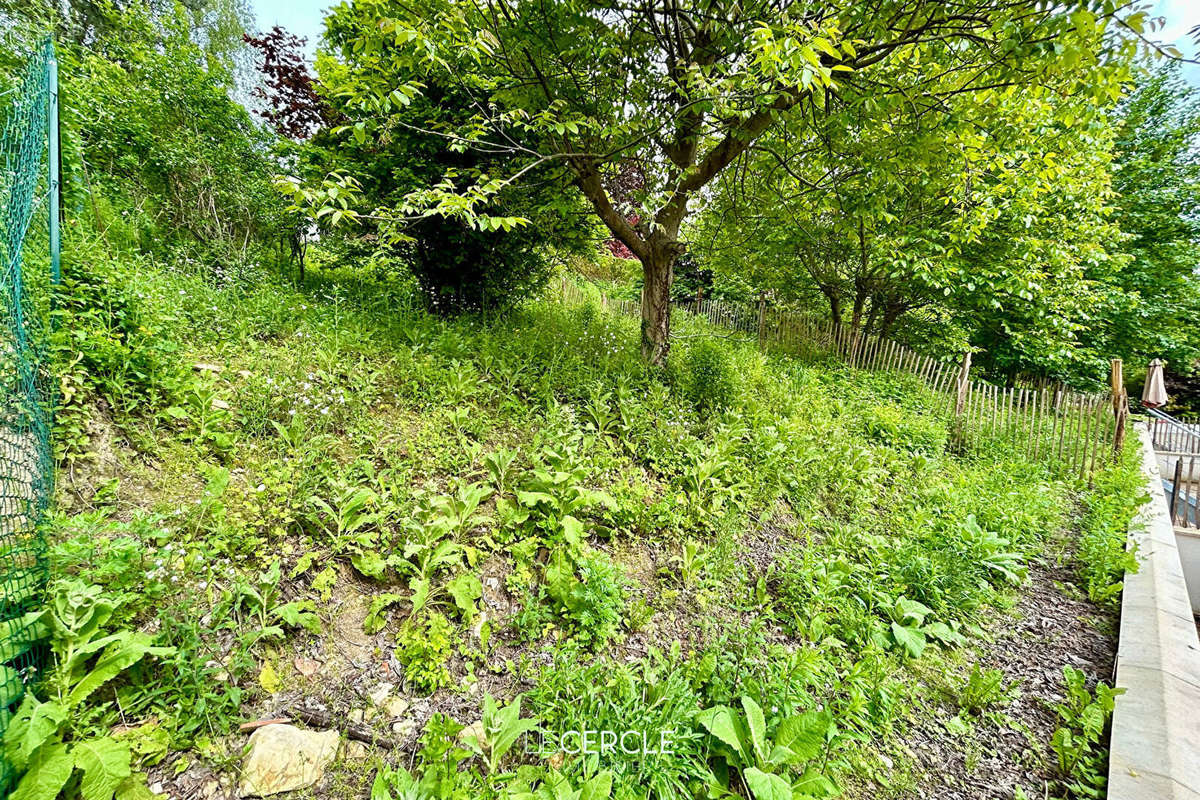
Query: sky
x,y
303,18
299,17
1179,16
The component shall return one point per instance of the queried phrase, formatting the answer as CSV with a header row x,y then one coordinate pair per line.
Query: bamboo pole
x,y
964,374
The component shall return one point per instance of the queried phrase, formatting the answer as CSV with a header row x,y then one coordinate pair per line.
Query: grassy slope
x,y
764,550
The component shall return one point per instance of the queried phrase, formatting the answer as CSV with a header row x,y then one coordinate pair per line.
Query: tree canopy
x,y
574,91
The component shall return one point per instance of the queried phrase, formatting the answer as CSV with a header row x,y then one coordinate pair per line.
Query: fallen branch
x,y
322,719
262,723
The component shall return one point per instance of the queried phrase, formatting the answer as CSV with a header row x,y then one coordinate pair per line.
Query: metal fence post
x,y
53,159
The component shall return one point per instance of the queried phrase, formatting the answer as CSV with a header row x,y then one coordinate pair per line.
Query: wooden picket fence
x,y
1077,432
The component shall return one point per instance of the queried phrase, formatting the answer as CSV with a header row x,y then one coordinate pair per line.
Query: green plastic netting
x,y
26,391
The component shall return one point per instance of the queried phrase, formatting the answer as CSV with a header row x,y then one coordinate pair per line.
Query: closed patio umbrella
x,y
1154,393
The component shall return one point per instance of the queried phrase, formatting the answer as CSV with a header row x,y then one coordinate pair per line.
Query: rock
x,y
477,628
157,788
357,715
472,731
380,693
218,404
211,368
404,728
356,751
306,666
283,758
395,707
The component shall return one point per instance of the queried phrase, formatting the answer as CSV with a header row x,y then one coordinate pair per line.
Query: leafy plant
x,y
349,517
594,600
554,785
982,689
766,760
259,612
691,560
50,741
1076,742
993,552
499,466
423,646
712,382
499,729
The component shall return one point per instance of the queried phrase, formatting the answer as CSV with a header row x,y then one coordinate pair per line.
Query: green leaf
x,y
765,786
119,656
813,784
911,639
722,723
420,593
911,611
105,765
25,632
944,633
801,737
572,530
598,788
757,726
30,727
48,772
369,563
297,614
465,589
560,578
379,603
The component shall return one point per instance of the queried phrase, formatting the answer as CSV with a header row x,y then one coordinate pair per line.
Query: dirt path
x,y
1051,626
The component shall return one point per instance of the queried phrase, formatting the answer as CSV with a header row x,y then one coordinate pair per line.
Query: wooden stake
x,y
964,374
1120,402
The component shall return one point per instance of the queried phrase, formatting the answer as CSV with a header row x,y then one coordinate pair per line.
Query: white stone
x,y
283,758
380,693
395,707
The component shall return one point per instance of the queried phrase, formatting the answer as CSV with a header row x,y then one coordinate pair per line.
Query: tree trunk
x,y
889,319
835,308
658,272
856,314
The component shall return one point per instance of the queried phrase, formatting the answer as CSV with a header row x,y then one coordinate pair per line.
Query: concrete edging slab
x,y
1154,751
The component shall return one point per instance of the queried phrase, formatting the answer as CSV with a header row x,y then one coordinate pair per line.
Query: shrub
x,y
424,649
893,427
459,268
711,380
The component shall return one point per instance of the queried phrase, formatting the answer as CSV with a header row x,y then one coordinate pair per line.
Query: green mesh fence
x,y
26,392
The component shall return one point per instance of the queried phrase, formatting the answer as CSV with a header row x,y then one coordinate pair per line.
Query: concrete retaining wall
x,y
1155,745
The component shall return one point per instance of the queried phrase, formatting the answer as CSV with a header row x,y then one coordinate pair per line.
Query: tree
x,y
457,265
984,212
1153,303
574,89
292,104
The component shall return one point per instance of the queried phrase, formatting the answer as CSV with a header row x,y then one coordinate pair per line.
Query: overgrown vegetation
x,y
791,547
347,443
